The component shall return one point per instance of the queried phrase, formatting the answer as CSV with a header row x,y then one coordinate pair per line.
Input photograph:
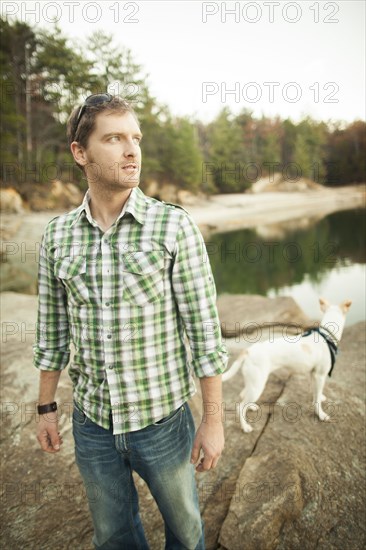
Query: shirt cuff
x,y
212,364
51,360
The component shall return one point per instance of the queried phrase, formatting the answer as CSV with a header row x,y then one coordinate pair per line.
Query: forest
x,y
44,74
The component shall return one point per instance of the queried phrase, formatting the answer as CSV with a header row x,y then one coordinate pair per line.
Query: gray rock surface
x,y
250,314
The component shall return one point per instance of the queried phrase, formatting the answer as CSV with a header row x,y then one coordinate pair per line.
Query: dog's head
x,y
344,306
334,316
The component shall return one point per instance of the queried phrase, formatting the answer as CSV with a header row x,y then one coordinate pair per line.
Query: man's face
x,y
113,155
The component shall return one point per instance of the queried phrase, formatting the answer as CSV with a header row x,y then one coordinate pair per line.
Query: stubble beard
x,y
115,183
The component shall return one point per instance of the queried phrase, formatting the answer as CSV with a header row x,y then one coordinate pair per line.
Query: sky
x,y
284,58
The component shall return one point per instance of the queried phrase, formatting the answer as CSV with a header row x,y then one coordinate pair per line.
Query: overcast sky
x,y
276,57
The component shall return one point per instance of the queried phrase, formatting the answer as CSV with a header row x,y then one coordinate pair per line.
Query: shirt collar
x,y
137,205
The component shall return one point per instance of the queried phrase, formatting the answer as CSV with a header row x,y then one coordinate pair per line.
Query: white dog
x,y
313,352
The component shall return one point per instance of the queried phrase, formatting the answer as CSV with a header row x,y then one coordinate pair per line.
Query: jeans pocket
x,y
170,418
78,415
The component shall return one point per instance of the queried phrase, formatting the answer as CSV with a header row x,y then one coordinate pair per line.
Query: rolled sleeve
x,y
211,364
195,295
51,350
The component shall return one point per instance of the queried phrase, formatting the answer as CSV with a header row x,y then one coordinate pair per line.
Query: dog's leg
x,y
251,406
319,381
242,412
255,382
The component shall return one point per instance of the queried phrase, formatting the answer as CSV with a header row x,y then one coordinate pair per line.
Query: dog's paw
x,y
324,418
247,428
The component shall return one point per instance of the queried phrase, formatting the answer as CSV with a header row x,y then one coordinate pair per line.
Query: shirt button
x,y
109,336
111,366
107,304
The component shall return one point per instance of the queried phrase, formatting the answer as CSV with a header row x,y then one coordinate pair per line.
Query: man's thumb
x,y
55,441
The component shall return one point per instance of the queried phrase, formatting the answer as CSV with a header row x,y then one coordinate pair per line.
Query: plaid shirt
x,y
126,298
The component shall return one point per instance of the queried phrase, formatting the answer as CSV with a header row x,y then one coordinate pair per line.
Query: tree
x,y
18,45
65,77
269,136
309,150
182,159
226,153
346,154
114,69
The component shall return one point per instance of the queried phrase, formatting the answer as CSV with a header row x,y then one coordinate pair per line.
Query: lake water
x,y
326,258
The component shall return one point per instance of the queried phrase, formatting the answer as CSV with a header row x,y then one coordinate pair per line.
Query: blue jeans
x,y
160,454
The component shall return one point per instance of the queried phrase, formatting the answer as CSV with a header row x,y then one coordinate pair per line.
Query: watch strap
x,y
50,407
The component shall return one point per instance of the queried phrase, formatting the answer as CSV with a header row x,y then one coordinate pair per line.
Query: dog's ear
x,y
345,305
324,304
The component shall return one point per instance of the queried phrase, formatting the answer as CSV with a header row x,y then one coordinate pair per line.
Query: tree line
x,y
44,74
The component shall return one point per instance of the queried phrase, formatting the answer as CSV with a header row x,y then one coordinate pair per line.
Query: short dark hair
x,y
87,122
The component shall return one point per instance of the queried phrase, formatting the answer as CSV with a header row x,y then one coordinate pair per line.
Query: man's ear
x,y
79,153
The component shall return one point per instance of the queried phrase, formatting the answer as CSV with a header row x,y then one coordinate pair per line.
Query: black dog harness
x,y
329,338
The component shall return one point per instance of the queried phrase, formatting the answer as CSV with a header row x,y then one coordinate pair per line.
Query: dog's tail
x,y
235,366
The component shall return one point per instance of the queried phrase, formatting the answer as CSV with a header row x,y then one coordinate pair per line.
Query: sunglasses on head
x,y
94,99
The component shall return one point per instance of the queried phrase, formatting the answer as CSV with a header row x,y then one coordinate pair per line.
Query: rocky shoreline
x,y
230,212
269,213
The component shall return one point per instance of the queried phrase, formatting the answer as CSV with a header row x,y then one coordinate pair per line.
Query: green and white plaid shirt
x,y
125,298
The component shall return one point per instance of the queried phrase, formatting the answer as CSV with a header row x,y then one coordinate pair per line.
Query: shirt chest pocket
x,y
72,272
143,277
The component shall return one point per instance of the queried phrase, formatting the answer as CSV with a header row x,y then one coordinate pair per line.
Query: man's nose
x,y
130,149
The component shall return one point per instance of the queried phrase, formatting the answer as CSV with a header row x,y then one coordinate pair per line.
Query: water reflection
x,y
296,260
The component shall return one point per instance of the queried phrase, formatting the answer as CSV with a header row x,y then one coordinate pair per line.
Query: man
x,y
125,277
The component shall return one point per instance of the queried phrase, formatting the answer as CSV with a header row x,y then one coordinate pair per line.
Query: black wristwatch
x,y
50,407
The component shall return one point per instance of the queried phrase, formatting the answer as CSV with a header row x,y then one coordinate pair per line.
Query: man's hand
x,y
209,438
47,433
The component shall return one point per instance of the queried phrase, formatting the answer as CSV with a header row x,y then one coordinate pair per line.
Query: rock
x,y
260,185
216,488
251,313
21,239
10,201
55,195
151,188
276,182
187,198
268,494
169,192
18,276
9,225
162,191
67,194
